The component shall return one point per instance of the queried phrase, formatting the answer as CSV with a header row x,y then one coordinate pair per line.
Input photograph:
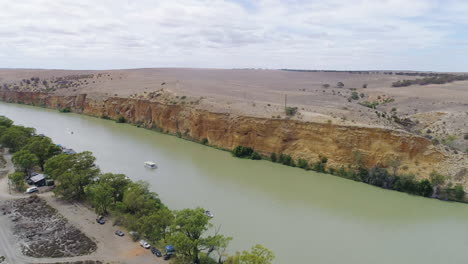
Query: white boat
x,y
209,214
151,165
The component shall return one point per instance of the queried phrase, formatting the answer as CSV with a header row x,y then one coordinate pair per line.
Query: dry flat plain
x,y
439,112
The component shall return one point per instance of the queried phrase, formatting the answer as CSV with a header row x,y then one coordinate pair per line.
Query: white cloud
x,y
335,34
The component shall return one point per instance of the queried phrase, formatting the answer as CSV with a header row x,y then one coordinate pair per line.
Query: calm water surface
x,y
304,217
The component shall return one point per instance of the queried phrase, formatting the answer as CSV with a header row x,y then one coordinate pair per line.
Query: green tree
x,y
273,157
255,156
188,234
437,180
221,248
25,161
72,173
17,180
100,196
15,137
117,182
459,192
242,152
43,148
394,164
425,188
155,226
139,200
257,255
5,121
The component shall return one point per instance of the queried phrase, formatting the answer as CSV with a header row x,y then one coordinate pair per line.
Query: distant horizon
x,y
207,68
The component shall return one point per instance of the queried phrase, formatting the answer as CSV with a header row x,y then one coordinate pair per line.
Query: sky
x,y
426,35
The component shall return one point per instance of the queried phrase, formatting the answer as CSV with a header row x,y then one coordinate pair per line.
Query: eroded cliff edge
x,y
306,140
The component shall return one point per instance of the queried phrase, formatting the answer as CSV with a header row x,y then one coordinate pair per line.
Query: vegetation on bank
x,y
378,175
132,204
437,79
65,110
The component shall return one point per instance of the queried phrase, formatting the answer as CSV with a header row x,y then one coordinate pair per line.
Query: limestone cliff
x,y
305,140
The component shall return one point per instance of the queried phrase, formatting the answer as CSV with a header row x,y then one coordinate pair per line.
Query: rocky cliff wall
x,y
299,139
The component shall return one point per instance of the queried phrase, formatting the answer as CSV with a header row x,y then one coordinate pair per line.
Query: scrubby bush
x,y
425,188
354,96
120,119
255,156
406,183
372,105
286,160
204,141
320,165
302,163
459,192
242,152
65,110
273,157
290,111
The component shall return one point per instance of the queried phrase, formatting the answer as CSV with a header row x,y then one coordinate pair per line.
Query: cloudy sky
x,y
305,34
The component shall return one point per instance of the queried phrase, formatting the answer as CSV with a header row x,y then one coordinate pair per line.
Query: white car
x,y
32,189
145,244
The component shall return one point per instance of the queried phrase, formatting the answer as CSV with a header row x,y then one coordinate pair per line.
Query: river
x,y
304,217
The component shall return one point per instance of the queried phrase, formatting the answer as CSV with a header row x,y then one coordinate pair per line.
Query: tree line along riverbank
x,y
437,186
130,204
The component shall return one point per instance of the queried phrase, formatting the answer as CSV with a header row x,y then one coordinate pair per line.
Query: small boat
x,y
151,165
209,214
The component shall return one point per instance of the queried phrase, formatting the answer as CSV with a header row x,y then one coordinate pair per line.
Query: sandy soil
x,y
110,248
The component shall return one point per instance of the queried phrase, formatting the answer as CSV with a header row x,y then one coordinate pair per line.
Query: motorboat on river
x,y
209,214
151,165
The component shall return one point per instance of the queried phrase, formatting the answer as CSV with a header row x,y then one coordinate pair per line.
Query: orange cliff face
x,y
304,140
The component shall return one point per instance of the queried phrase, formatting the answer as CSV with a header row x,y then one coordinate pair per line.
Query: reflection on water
x,y
304,217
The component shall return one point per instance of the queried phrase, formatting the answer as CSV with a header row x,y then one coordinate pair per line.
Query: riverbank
x,y
300,140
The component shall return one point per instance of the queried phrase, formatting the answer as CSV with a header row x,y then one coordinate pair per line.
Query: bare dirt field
x,y
439,112
44,232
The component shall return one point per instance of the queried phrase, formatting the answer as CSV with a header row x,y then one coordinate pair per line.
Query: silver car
x,y
145,244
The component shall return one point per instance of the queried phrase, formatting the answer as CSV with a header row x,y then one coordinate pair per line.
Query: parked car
x,y
145,244
156,252
119,233
100,220
32,189
167,256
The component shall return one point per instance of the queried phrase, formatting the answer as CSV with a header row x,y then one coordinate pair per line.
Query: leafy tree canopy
x,y
25,161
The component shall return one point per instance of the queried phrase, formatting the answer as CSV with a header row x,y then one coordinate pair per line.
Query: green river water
x,y
304,217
